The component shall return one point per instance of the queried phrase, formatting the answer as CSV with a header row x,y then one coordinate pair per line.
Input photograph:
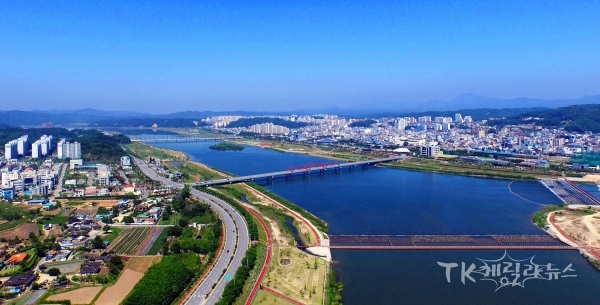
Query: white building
x,y
22,145
401,124
59,149
458,118
125,162
103,174
269,128
70,150
430,150
36,149
10,150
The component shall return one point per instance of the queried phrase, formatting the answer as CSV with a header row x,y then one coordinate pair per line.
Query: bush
x,y
54,271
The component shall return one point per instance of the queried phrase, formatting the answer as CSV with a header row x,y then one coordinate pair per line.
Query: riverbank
x,y
429,165
287,261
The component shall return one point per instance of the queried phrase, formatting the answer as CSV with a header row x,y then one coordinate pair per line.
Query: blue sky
x,y
168,56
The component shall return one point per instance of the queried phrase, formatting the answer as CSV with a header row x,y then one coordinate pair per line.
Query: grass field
x,y
173,220
129,240
266,298
74,203
113,235
144,151
57,220
300,279
466,169
158,243
11,224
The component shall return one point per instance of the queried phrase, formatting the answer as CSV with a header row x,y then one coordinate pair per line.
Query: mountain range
x,y
466,101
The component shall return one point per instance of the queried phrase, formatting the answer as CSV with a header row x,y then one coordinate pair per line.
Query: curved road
x,y
235,233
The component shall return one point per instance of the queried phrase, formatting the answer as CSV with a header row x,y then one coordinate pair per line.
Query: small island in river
x,y
226,146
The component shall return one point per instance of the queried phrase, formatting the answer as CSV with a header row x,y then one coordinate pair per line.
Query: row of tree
x,y
163,282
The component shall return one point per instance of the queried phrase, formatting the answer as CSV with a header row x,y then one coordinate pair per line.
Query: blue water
x,y
388,201
591,188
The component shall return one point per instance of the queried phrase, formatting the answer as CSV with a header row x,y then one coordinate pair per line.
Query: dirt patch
x,y
78,296
141,264
21,231
116,293
585,229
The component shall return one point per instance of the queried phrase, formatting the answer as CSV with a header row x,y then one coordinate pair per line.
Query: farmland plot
x,y
131,241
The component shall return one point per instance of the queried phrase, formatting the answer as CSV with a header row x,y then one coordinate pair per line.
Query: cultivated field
x,y
141,264
78,296
21,231
132,240
116,293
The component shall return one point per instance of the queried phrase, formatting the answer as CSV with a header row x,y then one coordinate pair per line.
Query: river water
x,y
389,201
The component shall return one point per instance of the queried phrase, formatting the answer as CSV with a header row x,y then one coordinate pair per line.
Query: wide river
x,y
388,201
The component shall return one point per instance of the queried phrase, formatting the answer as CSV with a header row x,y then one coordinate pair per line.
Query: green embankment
x,y
320,224
540,217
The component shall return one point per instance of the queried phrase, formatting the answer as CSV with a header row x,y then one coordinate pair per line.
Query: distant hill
x,y
148,122
475,101
275,121
476,114
577,118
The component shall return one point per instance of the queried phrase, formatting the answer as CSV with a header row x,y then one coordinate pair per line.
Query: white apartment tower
x,y
36,149
22,145
69,150
10,150
59,149
458,118
401,124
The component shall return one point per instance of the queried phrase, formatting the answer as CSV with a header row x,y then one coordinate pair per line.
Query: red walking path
x,y
263,270
591,251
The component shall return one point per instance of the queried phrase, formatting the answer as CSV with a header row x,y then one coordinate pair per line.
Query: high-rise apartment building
x,y
69,150
22,145
401,124
458,118
10,150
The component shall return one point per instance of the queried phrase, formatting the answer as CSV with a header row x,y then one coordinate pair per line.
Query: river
x,y
390,201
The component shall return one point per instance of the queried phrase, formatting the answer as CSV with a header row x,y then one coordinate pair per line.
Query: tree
x,y
53,271
102,210
97,243
128,219
106,228
183,223
185,192
115,211
175,247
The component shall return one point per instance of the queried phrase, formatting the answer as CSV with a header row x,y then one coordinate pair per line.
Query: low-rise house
x,y
21,281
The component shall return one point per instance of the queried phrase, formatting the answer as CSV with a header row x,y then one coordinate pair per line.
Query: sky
x,y
168,56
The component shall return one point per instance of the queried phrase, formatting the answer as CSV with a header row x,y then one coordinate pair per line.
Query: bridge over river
x,y
298,170
447,242
181,139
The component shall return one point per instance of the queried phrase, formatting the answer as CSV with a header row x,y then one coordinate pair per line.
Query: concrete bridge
x,y
447,242
569,192
180,139
307,169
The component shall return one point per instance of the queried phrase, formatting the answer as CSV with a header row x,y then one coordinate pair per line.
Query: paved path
x,y
235,243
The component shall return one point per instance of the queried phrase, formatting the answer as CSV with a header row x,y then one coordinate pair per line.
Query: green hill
x,y
576,118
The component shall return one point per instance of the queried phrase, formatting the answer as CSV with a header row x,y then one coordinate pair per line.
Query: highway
x,y
230,258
